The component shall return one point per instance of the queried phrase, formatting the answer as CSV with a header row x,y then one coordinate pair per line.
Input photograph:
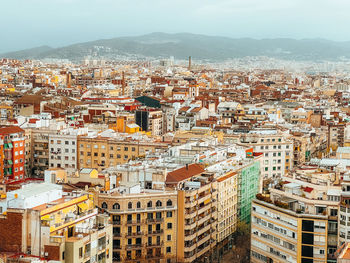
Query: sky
x,y
31,23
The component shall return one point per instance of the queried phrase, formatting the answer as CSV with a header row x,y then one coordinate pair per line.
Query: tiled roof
x,y
184,173
10,129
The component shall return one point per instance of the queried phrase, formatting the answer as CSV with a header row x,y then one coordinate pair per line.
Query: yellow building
x,y
56,225
144,225
102,152
197,212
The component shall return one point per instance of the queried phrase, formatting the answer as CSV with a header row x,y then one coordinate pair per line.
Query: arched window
x,y
149,204
138,205
116,206
169,203
158,203
129,205
104,205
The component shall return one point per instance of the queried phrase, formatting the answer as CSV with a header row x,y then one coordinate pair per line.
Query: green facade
x,y
248,187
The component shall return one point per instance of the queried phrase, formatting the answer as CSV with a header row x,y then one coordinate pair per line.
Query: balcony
x,y
154,220
133,222
190,226
134,246
133,234
156,232
154,245
203,240
203,230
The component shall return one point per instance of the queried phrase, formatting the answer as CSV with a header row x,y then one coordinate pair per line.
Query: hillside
x,y
182,45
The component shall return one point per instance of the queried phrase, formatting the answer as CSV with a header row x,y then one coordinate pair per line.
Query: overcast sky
x,y
31,23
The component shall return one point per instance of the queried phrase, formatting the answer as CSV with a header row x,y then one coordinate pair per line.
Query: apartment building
x,y
344,211
282,235
227,187
230,111
336,135
49,223
100,152
249,181
310,196
144,225
63,152
277,150
150,121
197,212
40,150
12,150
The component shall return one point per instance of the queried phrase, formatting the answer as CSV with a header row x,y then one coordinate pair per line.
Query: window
x,y
95,154
169,237
104,205
129,205
169,203
158,203
96,146
126,149
138,205
81,252
169,214
116,206
168,249
170,225
133,149
66,142
149,204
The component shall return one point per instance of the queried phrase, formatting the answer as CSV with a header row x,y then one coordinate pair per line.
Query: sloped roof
x,y
184,173
10,129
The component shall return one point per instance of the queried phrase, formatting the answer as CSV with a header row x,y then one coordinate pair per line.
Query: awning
x,y
207,201
10,145
46,217
83,206
10,161
6,146
308,189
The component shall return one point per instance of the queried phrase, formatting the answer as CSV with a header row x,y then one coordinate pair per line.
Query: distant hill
x,y
27,53
182,45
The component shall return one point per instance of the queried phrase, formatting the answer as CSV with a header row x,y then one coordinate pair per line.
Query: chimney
x,y
189,63
186,166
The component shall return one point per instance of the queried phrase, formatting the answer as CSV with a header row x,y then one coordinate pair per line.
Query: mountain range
x,y
201,47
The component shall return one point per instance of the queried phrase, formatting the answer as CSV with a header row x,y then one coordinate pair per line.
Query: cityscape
x,y
132,145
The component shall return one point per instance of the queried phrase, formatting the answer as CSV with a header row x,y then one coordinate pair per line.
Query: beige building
x,y
277,150
197,212
101,152
144,225
227,205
